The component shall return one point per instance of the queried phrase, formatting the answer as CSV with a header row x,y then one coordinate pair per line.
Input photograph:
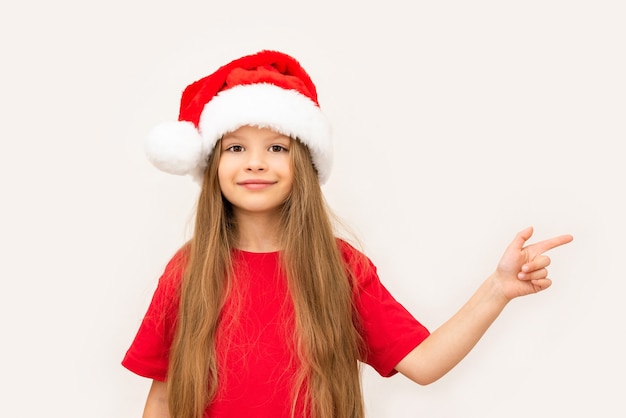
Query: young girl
x,y
265,312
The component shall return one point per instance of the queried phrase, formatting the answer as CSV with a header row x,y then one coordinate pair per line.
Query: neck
x,y
257,232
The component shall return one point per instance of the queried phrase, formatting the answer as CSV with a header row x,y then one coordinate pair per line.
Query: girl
x,y
264,312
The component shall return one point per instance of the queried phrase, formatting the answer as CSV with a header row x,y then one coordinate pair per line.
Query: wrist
x,y
495,290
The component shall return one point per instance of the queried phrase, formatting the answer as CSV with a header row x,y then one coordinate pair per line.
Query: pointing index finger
x,y
550,243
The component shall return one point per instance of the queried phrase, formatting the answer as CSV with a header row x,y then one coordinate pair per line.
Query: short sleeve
x,y
388,330
148,355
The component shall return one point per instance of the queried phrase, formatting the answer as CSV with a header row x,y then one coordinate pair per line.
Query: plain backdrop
x,y
456,125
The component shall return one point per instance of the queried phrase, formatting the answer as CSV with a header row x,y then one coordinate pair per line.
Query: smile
x,y
256,184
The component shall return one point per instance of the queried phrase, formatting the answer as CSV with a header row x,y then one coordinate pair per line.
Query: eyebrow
x,y
231,135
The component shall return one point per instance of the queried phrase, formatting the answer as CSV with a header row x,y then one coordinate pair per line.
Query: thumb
x,y
521,238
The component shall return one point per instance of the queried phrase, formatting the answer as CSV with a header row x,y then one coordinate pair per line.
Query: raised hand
x,y
522,270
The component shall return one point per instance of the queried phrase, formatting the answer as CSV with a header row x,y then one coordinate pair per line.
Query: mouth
x,y
255,184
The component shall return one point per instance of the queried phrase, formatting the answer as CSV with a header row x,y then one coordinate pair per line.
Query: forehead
x,y
254,132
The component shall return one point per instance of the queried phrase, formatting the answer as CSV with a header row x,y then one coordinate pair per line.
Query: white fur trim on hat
x,y
268,106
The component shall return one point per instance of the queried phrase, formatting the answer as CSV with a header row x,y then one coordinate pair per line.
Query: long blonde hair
x,y
327,343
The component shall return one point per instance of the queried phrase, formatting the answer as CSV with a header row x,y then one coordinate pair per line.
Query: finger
x,y
539,262
521,238
538,274
546,245
542,284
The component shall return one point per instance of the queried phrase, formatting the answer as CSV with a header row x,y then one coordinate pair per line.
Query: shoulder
x,y
164,304
359,265
349,252
175,269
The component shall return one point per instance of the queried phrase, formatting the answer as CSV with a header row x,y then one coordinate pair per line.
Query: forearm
x,y
453,340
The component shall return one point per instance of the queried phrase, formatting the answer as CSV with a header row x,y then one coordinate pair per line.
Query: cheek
x,y
222,174
287,169
288,181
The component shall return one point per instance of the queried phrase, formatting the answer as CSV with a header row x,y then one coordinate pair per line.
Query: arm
x,y
156,403
521,271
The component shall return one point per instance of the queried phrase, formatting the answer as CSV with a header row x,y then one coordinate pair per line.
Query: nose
x,y
256,161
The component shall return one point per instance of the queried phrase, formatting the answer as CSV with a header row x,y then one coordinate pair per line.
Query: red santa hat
x,y
268,89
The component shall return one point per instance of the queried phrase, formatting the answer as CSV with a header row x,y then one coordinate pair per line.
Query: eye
x,y
234,148
277,148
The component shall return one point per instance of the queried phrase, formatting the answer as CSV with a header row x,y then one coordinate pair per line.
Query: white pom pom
x,y
175,147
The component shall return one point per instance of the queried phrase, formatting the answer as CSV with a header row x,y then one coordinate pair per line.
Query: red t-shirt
x,y
256,365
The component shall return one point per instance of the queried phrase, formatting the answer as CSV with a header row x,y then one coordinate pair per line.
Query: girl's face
x,y
255,170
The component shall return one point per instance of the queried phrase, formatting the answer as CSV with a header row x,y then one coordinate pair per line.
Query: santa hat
x,y
268,89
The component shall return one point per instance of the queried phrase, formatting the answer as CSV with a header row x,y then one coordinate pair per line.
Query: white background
x,y
456,125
